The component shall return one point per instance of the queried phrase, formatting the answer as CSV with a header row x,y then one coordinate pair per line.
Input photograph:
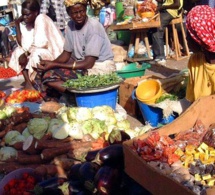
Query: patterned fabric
x,y
200,23
60,9
69,3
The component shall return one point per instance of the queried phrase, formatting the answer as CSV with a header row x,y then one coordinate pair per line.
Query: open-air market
x,y
107,97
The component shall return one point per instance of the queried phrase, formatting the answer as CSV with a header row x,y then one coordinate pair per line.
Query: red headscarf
x,y
200,23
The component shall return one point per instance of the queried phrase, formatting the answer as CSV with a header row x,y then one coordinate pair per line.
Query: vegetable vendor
x,y
87,49
201,39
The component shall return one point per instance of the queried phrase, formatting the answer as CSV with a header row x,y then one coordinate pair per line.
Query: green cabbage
x,y
94,127
11,137
61,131
26,133
3,115
55,123
7,152
124,124
38,127
9,110
75,130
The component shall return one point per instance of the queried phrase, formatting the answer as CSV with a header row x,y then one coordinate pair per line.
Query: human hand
x,y
45,65
19,20
23,60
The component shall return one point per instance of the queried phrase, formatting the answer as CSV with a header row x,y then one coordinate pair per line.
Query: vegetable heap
x,y
93,81
20,186
20,96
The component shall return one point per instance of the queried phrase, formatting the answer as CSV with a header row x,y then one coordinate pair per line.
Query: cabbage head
x,y
54,123
75,130
3,115
94,127
26,133
9,110
102,112
124,124
38,127
7,152
11,137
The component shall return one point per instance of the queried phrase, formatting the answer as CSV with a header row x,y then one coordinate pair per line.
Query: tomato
x,y
31,180
25,175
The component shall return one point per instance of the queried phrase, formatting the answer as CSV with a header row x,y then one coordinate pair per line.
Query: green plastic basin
x,y
133,70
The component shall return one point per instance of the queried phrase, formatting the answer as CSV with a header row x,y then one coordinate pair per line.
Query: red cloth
x,y
200,23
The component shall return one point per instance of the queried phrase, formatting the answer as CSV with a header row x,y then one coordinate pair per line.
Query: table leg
x,y
146,40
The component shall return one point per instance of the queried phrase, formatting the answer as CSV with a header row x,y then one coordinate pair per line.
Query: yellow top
x,y
201,79
173,12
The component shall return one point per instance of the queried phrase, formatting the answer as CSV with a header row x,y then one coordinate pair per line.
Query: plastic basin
x,y
152,115
133,70
94,99
148,91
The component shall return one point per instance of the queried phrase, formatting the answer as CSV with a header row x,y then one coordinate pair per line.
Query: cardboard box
x,y
125,95
154,181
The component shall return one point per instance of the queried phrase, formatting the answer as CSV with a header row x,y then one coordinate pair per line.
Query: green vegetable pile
x,y
93,81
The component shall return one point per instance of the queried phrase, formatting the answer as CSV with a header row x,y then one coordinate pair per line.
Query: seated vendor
x,y
87,49
201,40
37,36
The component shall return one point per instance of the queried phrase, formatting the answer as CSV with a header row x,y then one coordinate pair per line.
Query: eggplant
x,y
87,173
107,180
117,137
91,155
75,187
74,172
111,156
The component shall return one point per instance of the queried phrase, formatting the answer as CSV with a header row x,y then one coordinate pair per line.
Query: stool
x,y
136,37
178,54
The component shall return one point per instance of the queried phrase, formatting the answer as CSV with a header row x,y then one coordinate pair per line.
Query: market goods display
x,y
7,73
93,81
187,157
52,143
20,96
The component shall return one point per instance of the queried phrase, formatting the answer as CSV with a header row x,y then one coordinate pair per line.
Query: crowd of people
x,y
50,52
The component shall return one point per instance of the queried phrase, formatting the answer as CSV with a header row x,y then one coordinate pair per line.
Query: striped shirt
x,y
60,9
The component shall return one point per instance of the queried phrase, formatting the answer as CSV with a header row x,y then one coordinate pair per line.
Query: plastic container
x,y
148,91
133,70
153,115
94,99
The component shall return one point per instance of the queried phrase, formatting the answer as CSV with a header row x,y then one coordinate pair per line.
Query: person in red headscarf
x,y
201,39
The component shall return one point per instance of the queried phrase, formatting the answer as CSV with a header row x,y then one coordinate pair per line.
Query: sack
x,y
51,13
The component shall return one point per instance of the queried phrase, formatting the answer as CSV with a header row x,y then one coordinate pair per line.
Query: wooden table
x,y
138,33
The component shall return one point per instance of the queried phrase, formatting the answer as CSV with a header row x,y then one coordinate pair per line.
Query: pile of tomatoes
x,y
20,186
21,96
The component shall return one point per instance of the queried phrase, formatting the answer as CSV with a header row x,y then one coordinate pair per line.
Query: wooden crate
x,y
149,177
125,95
